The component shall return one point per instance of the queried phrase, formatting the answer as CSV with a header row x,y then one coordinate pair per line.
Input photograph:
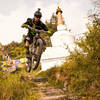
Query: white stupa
x,y
56,55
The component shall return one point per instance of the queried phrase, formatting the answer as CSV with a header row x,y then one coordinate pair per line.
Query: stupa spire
x,y
59,15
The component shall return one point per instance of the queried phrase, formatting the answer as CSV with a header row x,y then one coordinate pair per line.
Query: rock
x,y
60,97
11,69
39,79
46,91
34,79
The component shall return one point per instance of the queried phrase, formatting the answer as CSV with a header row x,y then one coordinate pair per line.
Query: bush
x,y
13,88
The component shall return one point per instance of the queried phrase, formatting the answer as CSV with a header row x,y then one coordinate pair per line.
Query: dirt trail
x,y
45,90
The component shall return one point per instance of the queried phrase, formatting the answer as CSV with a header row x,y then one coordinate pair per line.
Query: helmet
x,y
38,14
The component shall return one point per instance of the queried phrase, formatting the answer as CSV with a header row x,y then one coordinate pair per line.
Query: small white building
x,y
56,55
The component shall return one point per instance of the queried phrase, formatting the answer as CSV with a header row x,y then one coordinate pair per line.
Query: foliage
x,y
16,50
1,52
80,74
1,56
12,87
52,23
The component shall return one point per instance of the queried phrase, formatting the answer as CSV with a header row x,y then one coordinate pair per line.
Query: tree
x,y
16,50
52,23
1,52
90,45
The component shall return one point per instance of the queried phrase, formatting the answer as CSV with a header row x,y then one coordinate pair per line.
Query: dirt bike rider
x,y
34,23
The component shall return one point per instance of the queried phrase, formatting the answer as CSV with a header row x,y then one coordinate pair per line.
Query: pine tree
x,y
52,23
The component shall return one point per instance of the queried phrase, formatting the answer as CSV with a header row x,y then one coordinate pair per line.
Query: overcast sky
x,y
15,12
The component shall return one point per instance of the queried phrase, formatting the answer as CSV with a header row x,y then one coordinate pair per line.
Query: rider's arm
x,y
28,22
44,27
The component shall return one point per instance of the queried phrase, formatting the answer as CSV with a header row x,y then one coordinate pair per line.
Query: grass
x,y
76,77
12,87
82,81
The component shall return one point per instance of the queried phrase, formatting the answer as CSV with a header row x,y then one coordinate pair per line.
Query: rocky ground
x,y
45,90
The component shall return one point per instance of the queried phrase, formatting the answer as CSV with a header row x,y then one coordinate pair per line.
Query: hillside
x,y
80,74
78,78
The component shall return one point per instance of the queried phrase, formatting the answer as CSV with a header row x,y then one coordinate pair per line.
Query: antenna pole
x,y
58,3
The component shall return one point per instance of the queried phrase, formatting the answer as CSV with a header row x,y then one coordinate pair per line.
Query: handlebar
x,y
36,30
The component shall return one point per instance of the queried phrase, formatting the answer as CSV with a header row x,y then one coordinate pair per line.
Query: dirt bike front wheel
x,y
37,54
28,66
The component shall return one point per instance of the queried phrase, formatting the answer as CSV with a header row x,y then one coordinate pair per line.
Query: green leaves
x,y
16,50
52,24
14,88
